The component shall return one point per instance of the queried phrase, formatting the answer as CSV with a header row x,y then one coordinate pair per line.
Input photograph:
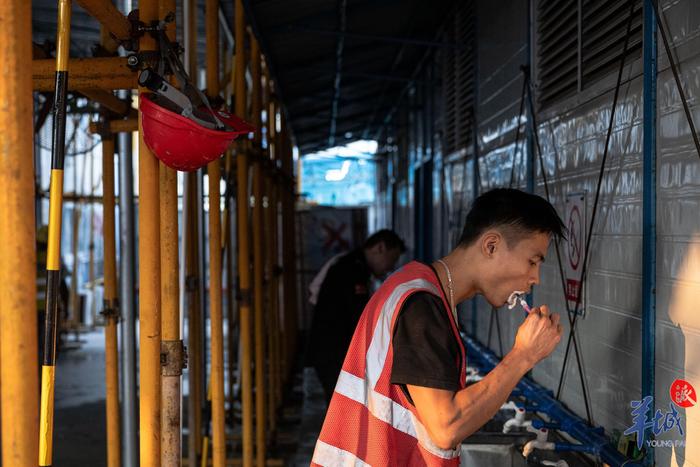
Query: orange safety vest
x,y
370,422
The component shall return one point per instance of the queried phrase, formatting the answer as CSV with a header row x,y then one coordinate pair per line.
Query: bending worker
x,y
401,397
344,292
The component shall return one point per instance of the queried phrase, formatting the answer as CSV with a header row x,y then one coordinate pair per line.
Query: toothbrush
x,y
517,298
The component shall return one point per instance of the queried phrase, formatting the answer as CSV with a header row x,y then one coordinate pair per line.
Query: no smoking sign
x,y
576,226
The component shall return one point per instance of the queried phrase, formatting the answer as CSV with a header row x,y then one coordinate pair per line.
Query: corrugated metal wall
x,y
678,211
572,132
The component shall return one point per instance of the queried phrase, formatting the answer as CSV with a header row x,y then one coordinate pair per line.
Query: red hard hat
x,y
180,142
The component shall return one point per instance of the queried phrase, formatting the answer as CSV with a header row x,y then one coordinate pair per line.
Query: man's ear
x,y
491,241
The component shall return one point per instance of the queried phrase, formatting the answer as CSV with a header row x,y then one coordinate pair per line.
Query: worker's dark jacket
x,y
341,300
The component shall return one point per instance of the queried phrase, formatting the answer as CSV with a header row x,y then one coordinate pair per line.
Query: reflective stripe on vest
x,y
370,394
325,454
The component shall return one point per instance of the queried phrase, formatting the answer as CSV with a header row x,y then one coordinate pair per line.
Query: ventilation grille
x,y
458,79
604,25
557,51
573,56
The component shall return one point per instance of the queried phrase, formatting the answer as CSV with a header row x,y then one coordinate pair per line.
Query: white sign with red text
x,y
574,251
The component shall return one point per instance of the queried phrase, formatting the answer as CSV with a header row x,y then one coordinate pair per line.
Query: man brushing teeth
x,y
401,398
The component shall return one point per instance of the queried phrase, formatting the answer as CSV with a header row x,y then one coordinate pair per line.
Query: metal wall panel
x,y
678,217
610,333
572,135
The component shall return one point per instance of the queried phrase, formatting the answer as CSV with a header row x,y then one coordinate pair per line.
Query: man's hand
x,y
450,417
538,335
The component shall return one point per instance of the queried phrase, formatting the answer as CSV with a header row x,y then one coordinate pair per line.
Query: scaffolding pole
x,y
191,223
258,260
149,279
113,20
215,290
231,264
108,73
128,125
111,306
127,303
18,326
172,351
289,256
243,225
192,228
53,255
271,259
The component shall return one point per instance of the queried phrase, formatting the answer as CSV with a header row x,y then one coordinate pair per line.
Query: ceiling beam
x,y
376,37
342,19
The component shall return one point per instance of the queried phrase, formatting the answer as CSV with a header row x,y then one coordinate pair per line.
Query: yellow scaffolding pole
x,y
103,97
18,323
243,242
215,291
53,255
258,259
110,18
108,73
149,279
111,307
128,125
171,345
172,351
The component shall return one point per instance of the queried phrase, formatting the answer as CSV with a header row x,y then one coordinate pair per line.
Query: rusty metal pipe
x,y
171,345
172,351
111,309
108,73
128,125
215,289
109,17
149,280
110,101
18,327
243,241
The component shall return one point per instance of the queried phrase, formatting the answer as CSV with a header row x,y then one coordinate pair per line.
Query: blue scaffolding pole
x,y
649,216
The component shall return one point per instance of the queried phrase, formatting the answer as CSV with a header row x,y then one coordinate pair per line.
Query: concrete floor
x,y
79,420
79,438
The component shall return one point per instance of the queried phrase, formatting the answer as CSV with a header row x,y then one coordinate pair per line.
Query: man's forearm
x,y
479,402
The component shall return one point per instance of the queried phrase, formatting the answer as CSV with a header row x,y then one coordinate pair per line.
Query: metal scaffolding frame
x,y
160,350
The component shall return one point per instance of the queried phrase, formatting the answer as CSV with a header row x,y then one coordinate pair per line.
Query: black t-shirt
x,y
426,352
341,300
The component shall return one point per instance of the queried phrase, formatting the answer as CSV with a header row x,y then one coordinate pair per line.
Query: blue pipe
x,y
592,439
538,424
563,447
649,216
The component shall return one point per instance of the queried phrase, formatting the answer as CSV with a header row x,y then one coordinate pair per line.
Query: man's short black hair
x,y
514,212
390,239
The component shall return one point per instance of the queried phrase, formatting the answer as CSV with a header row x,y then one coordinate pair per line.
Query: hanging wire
x,y
572,321
561,268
